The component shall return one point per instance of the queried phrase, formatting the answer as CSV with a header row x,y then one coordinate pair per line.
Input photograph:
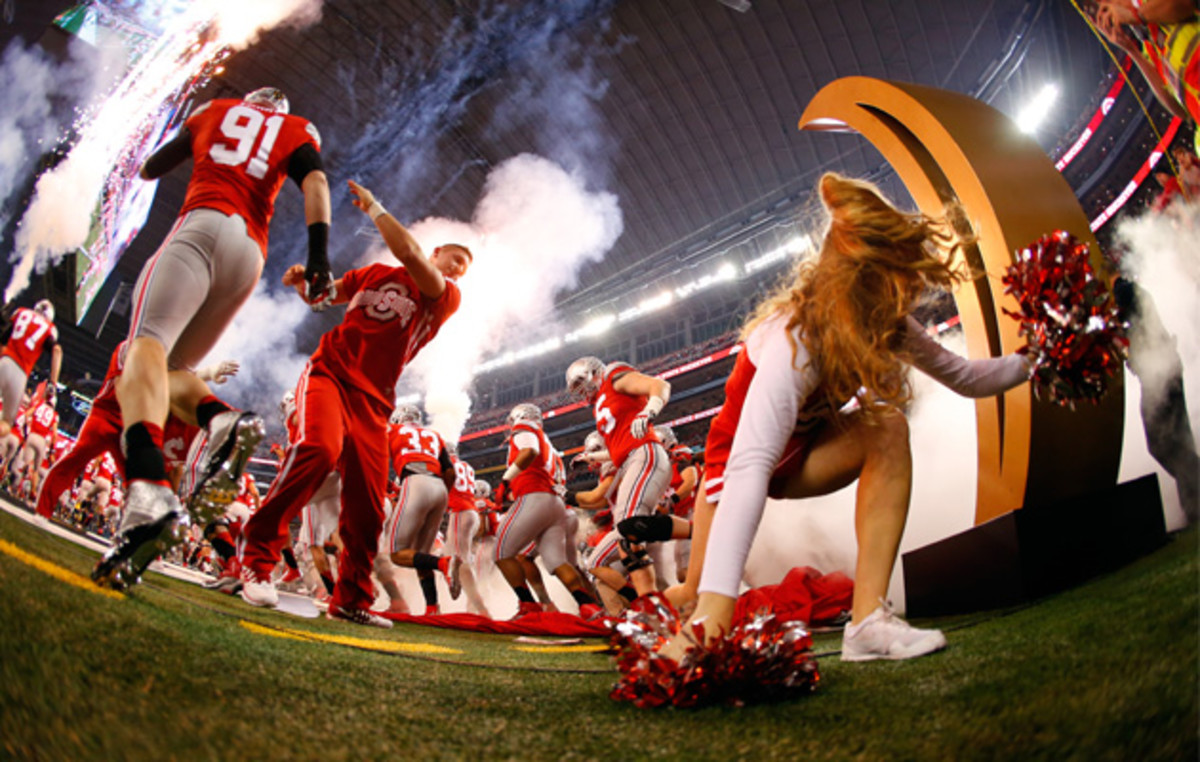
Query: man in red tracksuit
x,y
343,401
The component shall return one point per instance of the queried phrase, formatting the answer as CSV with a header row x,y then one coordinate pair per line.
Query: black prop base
x,y
1035,551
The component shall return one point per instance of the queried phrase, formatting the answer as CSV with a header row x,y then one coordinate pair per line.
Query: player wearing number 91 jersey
x,y
189,292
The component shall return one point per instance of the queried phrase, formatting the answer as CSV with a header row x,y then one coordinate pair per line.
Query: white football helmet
x,y
584,377
45,308
526,411
407,413
287,405
593,443
268,97
483,490
667,436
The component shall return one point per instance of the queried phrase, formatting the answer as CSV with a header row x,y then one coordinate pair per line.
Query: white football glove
x,y
641,423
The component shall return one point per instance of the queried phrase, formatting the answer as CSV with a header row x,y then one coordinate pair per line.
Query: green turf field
x,y
1106,671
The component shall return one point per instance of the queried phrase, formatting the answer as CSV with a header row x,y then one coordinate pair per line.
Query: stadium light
x,y
793,247
1031,117
645,306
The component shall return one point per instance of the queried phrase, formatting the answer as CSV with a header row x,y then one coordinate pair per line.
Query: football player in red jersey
x,y
344,399
41,430
29,331
99,488
625,402
537,514
604,552
100,433
462,534
423,467
242,152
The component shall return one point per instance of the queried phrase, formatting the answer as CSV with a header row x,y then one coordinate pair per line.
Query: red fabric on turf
x,y
804,594
544,623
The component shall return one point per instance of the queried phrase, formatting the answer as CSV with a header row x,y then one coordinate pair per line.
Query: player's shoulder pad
x,y
311,129
615,370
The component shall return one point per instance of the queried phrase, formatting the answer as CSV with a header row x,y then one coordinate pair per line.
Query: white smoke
x,y
242,23
60,215
1162,259
535,227
262,341
28,124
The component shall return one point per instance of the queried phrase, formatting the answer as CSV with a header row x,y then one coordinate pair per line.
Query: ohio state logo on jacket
x,y
389,301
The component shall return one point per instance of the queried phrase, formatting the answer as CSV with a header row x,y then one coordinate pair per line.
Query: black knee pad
x,y
654,528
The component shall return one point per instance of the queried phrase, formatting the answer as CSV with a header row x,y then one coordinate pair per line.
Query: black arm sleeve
x,y
303,160
6,322
169,155
447,464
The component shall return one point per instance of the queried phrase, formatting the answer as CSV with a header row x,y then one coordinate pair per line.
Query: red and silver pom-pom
x,y
1075,336
761,660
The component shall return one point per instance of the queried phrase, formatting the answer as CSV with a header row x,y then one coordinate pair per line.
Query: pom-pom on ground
x,y
760,660
1076,339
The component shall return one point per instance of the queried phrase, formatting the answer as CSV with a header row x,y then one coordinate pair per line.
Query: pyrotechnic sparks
x,y
119,128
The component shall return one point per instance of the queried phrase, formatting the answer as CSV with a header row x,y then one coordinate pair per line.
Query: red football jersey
x,y
105,467
683,507
386,322
240,154
615,412
31,332
462,493
538,476
43,420
416,448
245,494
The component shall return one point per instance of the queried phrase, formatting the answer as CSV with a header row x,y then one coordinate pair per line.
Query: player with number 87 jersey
x,y
29,331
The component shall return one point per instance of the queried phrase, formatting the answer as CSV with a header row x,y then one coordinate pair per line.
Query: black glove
x,y
317,272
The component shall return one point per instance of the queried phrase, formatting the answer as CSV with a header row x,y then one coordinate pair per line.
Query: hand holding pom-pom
x,y
1076,339
761,659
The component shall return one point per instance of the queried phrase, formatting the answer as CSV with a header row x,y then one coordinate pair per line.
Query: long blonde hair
x,y
851,300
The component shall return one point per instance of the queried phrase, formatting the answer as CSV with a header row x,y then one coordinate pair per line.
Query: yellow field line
x,y
562,649
385,646
56,571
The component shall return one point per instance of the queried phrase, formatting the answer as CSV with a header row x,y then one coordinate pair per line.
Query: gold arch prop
x,y
947,146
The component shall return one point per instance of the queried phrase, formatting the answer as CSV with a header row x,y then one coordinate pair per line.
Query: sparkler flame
x,y
197,38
